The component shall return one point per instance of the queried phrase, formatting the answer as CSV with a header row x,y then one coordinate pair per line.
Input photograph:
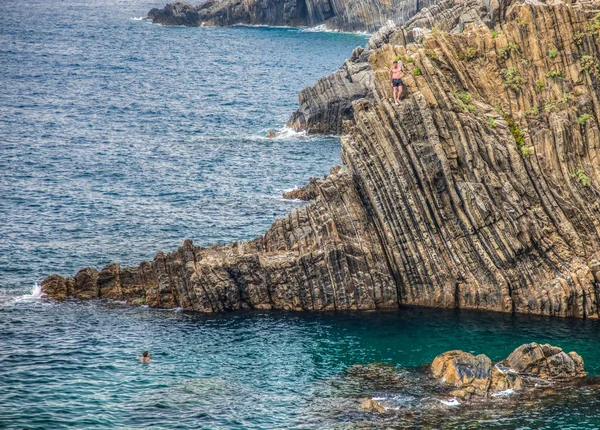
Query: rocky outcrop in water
x,y
478,191
347,15
476,376
473,375
178,13
457,390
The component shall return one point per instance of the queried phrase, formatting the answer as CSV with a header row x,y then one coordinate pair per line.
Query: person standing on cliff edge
x,y
396,75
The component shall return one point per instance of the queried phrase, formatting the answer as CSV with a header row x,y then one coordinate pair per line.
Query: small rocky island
x,y
533,373
479,191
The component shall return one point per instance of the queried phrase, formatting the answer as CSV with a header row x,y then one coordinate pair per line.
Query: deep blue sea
x,y
119,139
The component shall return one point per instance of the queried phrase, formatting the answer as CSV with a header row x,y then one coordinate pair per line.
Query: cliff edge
x,y
478,191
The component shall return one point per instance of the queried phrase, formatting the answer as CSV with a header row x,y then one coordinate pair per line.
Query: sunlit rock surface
x,y
478,191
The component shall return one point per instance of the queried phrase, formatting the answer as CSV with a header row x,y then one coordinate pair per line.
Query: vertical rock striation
x,y
325,106
478,191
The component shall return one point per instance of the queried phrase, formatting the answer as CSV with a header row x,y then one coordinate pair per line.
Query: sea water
x,y
119,139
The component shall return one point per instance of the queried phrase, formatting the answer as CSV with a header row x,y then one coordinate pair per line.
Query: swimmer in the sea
x,y
145,358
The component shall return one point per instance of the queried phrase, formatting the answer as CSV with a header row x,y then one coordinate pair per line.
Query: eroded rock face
x,y
323,108
473,375
476,376
478,191
546,361
347,15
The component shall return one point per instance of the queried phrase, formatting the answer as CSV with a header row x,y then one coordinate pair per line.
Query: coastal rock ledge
x,y
478,191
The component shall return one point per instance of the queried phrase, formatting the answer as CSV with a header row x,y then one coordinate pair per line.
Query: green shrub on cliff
x,y
534,111
583,118
416,71
555,74
495,33
517,133
553,52
469,54
513,79
590,64
540,85
581,176
509,49
492,122
464,101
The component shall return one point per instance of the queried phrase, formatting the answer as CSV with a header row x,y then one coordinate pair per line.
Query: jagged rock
x,y
463,196
370,405
546,361
178,13
347,15
323,108
471,374
476,376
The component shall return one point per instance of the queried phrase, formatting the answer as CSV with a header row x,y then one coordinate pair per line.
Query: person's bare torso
x,y
397,72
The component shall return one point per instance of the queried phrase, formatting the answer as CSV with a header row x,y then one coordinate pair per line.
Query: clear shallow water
x,y
118,139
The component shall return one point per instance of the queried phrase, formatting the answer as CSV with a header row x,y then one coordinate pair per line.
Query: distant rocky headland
x,y
347,15
479,191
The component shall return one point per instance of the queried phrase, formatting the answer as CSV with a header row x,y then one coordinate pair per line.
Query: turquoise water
x,y
118,139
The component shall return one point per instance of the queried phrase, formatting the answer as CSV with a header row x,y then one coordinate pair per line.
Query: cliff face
x,y
478,191
347,15
324,107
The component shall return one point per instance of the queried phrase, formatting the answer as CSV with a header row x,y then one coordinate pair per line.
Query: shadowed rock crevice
x,y
478,191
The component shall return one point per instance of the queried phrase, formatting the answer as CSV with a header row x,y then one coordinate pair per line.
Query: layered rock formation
x,y
347,15
475,376
478,191
324,107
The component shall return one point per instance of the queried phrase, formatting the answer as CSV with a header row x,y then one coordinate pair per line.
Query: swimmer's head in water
x,y
146,354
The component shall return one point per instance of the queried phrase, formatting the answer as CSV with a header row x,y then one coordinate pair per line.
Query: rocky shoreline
x,y
345,15
477,192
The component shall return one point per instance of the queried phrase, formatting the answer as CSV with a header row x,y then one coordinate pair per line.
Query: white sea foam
x,y
36,294
451,402
322,28
504,393
138,18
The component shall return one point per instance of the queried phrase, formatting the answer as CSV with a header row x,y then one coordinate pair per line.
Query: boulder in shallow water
x,y
370,405
546,361
476,376
469,373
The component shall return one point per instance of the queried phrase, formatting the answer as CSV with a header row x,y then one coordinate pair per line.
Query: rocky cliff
x,y
347,15
478,191
324,107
